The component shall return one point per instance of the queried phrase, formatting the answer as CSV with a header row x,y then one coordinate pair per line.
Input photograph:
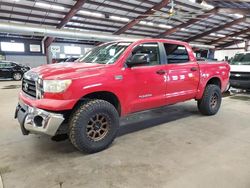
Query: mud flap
x,y
20,115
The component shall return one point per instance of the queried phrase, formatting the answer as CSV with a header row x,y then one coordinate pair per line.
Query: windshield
x,y
241,59
105,54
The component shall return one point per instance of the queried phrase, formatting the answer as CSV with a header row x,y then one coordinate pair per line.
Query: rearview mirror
x,y
138,59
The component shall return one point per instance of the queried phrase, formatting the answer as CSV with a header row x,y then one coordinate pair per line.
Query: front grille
x,y
29,87
240,76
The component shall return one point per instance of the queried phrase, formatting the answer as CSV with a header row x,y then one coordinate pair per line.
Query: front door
x,y
146,83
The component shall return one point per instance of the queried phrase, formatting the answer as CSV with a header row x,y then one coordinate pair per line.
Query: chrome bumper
x,y
37,121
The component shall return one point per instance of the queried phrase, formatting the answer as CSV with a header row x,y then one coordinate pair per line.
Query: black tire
x,y
17,76
211,100
86,119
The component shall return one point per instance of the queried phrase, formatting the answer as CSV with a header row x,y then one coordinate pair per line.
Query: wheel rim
x,y
98,127
214,101
17,76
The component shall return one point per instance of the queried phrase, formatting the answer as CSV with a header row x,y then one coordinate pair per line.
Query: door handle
x,y
161,72
194,69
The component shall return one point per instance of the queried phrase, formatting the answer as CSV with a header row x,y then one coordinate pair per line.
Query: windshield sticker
x,y
112,52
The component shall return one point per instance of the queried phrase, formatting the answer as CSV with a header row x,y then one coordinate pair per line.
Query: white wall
x,y
61,51
32,61
35,61
220,54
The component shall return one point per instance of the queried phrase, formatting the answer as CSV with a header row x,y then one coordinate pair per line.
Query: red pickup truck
x,y
86,98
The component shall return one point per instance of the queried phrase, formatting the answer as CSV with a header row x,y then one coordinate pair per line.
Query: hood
x,y
62,71
240,68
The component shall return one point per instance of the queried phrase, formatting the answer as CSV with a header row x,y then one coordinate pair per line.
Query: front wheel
x,y
211,100
17,76
93,126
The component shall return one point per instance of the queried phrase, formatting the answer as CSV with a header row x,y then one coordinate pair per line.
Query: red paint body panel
x,y
47,104
180,82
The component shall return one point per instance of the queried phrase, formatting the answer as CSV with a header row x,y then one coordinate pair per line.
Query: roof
x,y
110,16
150,40
4,61
231,4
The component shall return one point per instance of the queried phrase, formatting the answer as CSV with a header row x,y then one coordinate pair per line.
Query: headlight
x,y
55,86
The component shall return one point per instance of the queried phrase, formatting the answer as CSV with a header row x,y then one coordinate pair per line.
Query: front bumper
x,y
37,121
48,104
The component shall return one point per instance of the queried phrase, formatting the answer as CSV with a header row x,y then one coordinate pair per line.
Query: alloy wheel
x,y
98,127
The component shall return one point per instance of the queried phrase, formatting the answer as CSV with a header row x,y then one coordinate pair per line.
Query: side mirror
x,y
138,59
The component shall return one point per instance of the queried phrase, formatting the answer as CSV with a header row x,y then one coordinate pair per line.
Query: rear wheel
x,y
17,76
211,100
94,126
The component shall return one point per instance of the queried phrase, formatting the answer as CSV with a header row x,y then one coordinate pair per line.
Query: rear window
x,y
176,53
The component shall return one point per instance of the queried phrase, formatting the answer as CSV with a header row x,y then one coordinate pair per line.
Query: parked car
x,y
85,99
12,70
240,71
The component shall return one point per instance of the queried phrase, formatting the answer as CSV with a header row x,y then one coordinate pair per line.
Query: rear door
x,y
146,83
182,73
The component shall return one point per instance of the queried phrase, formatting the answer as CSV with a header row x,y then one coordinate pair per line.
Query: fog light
x,y
38,120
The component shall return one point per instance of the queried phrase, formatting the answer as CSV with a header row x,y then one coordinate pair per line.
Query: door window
x,y
4,65
8,65
149,49
176,53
